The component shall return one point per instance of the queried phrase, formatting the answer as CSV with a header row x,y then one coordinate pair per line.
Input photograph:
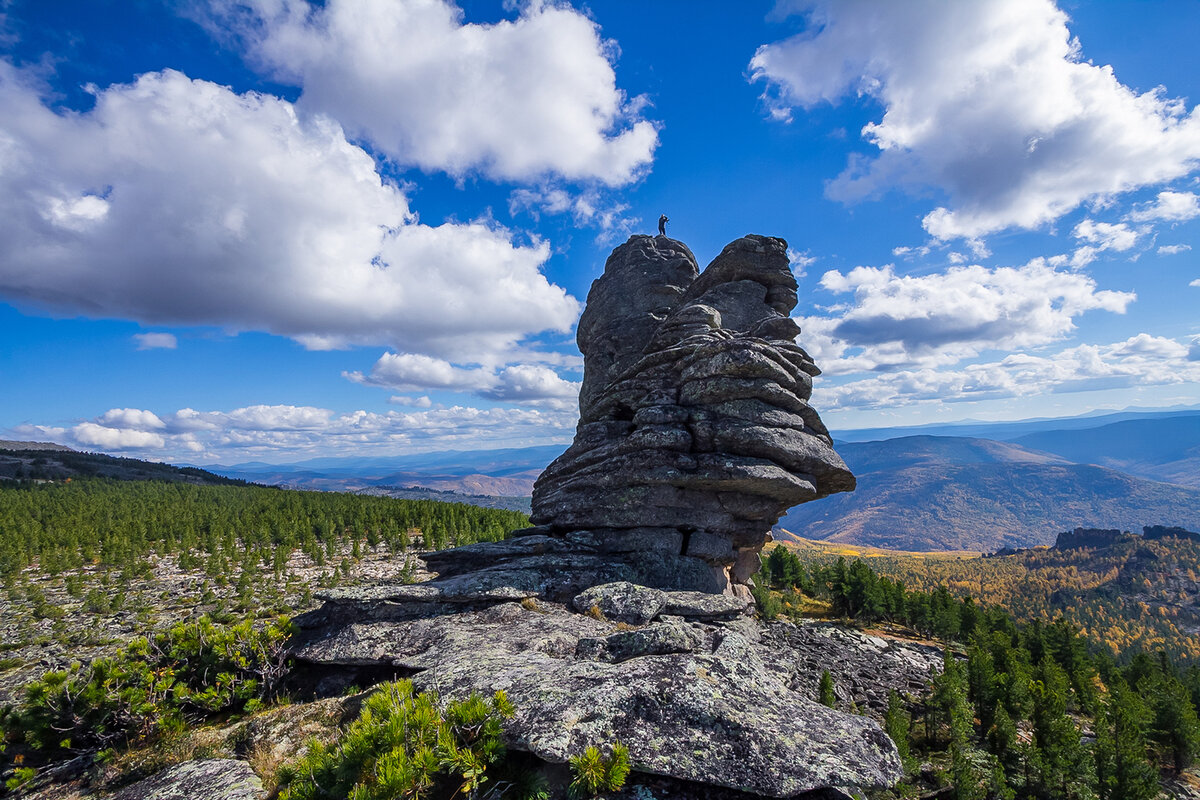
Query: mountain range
x,y
968,486
501,473
958,493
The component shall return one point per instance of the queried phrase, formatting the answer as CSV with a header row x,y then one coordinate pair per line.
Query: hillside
x,y
1131,593
56,463
953,493
1164,449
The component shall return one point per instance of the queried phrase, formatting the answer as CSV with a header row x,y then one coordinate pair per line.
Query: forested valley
x,y
1020,710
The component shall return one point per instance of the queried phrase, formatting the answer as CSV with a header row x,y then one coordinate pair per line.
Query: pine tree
x,y
1062,769
1002,736
948,688
1122,770
1174,725
898,725
825,691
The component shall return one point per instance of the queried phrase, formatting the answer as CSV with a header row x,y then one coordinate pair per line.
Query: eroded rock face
x,y
695,427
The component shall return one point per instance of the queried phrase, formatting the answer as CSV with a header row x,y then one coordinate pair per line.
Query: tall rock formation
x,y
695,433
624,614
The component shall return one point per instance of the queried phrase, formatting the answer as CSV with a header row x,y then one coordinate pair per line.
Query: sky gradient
x,y
270,230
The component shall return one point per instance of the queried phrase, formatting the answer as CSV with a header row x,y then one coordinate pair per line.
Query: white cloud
x,y
412,372
293,432
413,402
177,201
1106,235
800,261
131,418
1142,360
518,99
589,207
989,101
89,434
531,382
156,341
1195,283
1168,207
939,319
520,383
1173,249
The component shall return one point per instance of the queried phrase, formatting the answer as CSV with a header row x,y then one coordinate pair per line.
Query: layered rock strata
x,y
695,432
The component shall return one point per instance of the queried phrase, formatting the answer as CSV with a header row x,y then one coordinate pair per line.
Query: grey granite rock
x,y
622,602
694,415
211,779
696,701
864,668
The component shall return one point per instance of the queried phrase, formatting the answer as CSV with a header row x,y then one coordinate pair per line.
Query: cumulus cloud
x,y
991,102
939,319
532,382
1173,249
156,341
1195,283
90,434
290,432
1142,360
518,99
1168,207
422,401
178,201
132,418
413,372
1106,235
520,383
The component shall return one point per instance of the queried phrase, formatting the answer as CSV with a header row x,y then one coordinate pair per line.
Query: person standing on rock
x,y
662,224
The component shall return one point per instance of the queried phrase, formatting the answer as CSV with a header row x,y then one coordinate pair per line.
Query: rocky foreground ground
x,y
711,702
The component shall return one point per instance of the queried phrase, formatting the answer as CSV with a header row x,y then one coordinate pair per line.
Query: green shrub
x,y
592,772
20,777
768,603
403,745
150,687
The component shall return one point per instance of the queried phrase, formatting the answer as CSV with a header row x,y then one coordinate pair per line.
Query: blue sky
x,y
268,230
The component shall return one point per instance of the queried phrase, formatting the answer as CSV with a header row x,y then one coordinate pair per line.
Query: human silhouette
x,y
662,225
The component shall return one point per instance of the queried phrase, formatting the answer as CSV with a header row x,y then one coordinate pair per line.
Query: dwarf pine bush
x,y
151,686
404,745
593,772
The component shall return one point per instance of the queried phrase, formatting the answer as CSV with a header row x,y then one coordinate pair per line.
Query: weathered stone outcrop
x,y
688,681
695,433
625,614
213,779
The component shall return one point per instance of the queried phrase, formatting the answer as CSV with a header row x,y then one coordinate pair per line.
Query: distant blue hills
x,y
972,485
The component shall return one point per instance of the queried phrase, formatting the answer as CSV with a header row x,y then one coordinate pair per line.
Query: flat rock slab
x,y
693,701
210,779
864,668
